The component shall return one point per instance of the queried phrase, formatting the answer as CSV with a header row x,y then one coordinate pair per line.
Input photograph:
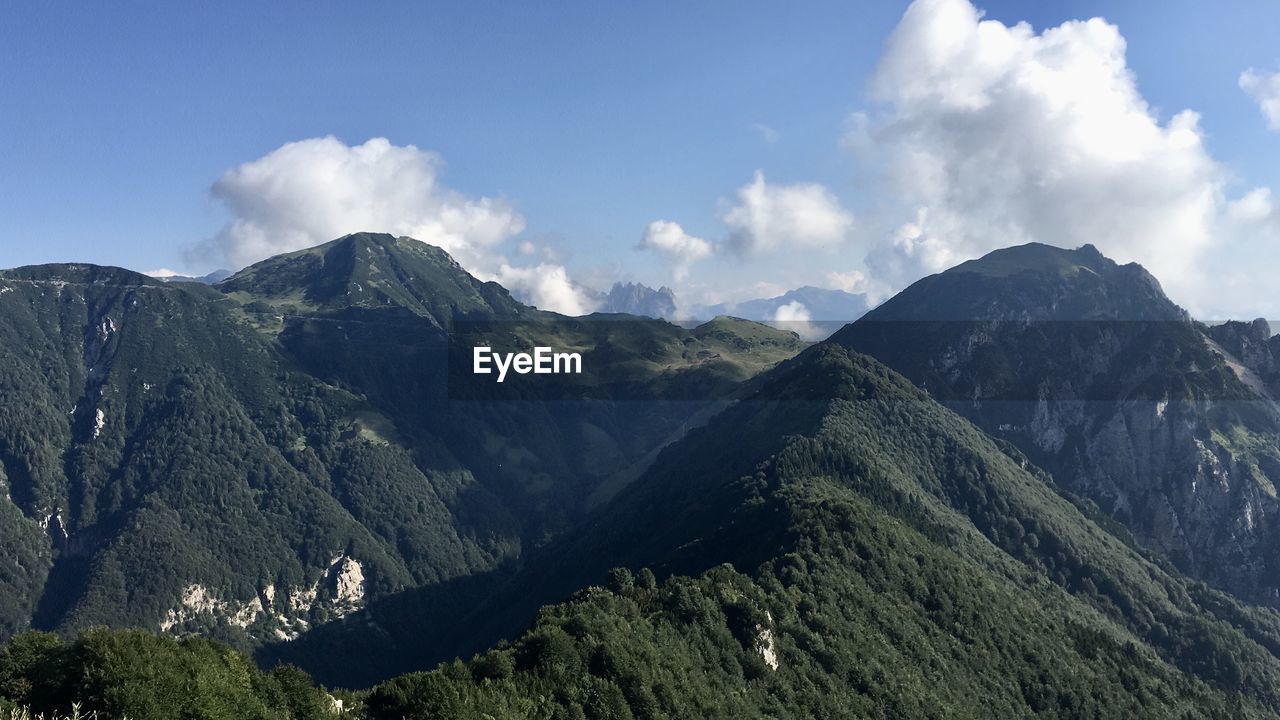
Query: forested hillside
x,y
253,460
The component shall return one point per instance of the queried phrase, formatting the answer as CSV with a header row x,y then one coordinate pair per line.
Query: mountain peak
x,y
1037,257
370,271
1035,282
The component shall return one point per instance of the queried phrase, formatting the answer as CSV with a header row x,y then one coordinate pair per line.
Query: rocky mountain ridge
x,y
1093,372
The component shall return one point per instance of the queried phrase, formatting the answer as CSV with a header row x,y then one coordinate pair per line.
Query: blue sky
x,y
591,119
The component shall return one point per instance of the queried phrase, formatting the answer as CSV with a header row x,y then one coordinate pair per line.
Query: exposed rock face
x,y
638,299
1254,346
1085,366
348,585
339,592
767,645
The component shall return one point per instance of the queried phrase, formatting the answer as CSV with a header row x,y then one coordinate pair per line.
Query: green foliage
x,y
133,674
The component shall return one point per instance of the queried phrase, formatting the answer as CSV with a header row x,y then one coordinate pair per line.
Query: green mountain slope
x,y
1088,368
370,270
833,543
839,545
177,465
252,460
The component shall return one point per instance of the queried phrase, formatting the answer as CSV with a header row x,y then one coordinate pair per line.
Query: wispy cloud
x,y
1264,88
765,132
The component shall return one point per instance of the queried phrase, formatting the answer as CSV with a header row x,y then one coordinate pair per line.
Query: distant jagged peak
x,y
637,287
639,299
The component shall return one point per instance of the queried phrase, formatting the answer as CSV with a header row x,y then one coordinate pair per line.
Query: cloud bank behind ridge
x,y
308,192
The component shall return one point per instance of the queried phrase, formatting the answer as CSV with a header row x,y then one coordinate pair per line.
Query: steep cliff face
x,y
1254,347
1088,368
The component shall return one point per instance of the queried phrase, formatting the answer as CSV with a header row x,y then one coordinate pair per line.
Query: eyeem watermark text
x,y
543,361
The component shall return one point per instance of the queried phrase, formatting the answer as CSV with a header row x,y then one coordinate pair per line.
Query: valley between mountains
x,y
1029,486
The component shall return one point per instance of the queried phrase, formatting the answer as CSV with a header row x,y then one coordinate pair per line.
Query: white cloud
x,y
853,281
767,217
311,191
766,133
989,135
669,239
794,316
544,286
858,283
1245,263
793,311
1264,88
308,192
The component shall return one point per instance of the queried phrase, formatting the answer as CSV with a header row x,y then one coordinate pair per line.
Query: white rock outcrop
x,y
340,591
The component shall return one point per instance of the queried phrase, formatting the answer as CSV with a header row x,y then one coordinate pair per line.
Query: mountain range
x,y
815,312
819,305
216,276
1030,486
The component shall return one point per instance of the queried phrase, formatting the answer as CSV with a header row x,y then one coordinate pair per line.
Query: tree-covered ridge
x,y
112,675
187,458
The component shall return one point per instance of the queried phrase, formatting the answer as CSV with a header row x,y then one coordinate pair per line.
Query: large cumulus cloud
x,y
986,135
308,192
